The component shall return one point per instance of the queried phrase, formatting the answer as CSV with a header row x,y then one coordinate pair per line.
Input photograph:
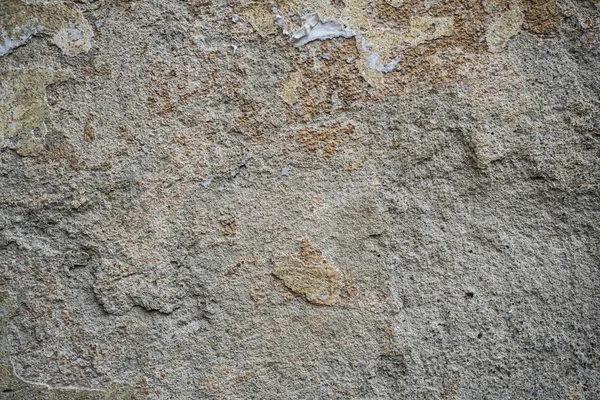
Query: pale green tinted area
x,y
62,22
23,107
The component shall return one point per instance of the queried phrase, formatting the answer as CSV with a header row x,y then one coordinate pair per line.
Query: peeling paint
x,y
373,60
18,36
313,28
381,48
62,23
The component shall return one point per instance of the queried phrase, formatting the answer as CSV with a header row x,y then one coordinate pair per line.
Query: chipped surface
x,y
507,26
23,107
154,287
452,189
62,22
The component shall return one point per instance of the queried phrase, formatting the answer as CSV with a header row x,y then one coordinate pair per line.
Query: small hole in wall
x,y
469,295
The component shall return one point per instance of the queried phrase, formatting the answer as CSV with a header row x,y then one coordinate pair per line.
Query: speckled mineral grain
x,y
300,199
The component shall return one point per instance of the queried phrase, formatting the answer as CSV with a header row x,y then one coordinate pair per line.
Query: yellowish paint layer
x,y
310,276
507,26
290,88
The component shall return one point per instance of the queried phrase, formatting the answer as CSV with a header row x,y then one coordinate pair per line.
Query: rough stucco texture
x,y
300,199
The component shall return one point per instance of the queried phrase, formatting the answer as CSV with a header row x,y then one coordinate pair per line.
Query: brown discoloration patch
x,y
435,41
161,102
258,294
310,254
431,42
325,139
436,60
233,269
323,86
336,84
543,17
89,133
174,90
229,226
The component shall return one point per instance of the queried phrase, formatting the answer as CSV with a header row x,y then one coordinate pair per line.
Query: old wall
x,y
299,199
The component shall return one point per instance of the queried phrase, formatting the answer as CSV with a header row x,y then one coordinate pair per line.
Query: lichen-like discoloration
x,y
18,388
63,23
23,107
507,26
310,275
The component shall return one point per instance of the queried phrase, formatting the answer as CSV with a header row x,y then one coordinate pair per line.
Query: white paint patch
x,y
313,28
279,21
20,36
373,60
206,183
71,40
7,44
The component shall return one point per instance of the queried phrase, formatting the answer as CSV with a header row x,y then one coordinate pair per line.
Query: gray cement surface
x,y
225,200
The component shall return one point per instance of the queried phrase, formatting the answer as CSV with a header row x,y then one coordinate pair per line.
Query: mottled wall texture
x,y
300,199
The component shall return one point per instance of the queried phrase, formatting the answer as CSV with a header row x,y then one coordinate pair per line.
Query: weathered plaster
x,y
450,194
23,107
63,23
310,275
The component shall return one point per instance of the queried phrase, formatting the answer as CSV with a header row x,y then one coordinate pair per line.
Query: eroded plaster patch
x,y
120,286
505,27
380,47
23,107
308,274
62,23
290,88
